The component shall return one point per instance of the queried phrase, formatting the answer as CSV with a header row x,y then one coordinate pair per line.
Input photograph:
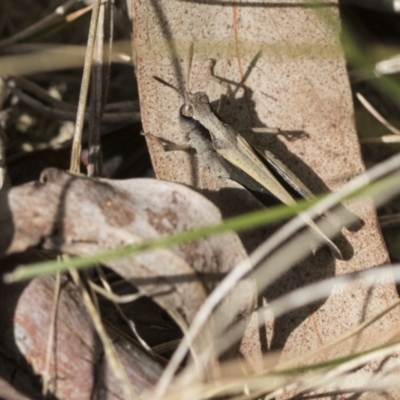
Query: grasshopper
x,y
234,148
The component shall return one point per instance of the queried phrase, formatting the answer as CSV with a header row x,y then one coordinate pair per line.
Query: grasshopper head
x,y
194,104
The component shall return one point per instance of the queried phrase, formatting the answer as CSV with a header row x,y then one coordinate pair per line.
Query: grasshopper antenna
x,y
189,67
187,76
168,85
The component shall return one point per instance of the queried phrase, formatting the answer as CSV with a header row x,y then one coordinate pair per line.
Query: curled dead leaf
x,y
77,216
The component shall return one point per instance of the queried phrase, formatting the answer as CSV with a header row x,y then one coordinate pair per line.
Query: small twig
x,y
68,111
5,182
50,337
368,106
389,221
109,295
389,66
381,139
15,82
97,100
80,118
57,16
109,349
129,322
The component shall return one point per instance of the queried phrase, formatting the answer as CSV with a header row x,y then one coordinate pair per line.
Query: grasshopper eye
x,y
203,97
187,111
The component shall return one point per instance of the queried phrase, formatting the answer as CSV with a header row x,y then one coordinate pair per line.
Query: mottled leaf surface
x,y
285,68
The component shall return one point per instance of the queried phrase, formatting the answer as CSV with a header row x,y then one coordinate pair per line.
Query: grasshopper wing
x,y
338,219
285,173
243,157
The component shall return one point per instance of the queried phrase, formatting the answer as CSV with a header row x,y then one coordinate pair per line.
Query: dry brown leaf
x,y
297,83
77,361
81,216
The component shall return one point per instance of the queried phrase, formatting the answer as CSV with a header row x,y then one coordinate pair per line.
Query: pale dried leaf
x,y
298,83
81,216
77,359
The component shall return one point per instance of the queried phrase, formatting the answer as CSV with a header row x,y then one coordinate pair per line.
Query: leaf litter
x,y
76,216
